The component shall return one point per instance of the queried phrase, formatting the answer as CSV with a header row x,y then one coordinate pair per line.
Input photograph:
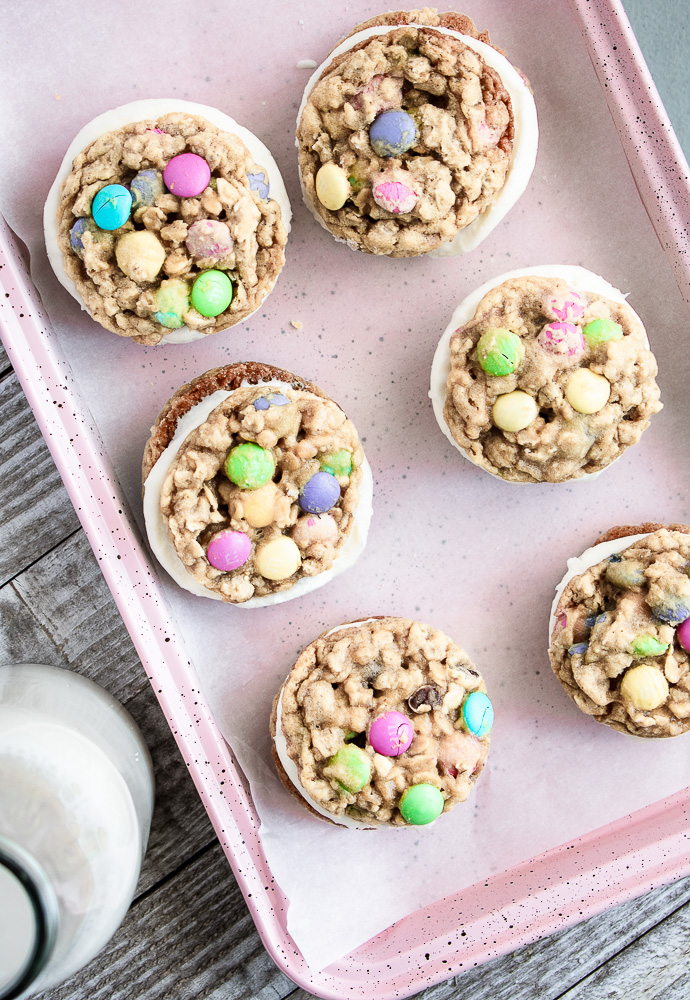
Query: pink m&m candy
x,y
563,340
392,191
391,734
228,550
564,305
683,634
187,175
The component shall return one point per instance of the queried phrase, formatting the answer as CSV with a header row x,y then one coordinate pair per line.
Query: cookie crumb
x,y
296,323
57,97
307,64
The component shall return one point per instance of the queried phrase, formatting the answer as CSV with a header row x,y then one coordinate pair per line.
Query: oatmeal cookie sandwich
x,y
415,136
620,630
256,488
381,723
544,375
167,221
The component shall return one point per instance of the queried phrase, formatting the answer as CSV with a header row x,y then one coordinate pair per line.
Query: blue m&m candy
x,y
392,133
478,714
76,235
319,493
259,182
111,207
146,186
271,399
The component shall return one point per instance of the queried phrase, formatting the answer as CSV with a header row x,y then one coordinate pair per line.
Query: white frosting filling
x,y
140,111
525,139
579,278
580,564
165,552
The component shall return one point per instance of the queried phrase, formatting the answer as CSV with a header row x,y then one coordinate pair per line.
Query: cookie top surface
x,y
136,265
549,382
263,491
342,686
618,645
455,116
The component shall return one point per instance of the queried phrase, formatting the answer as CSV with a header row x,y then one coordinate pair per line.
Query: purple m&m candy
x,y
391,734
683,634
392,133
271,399
259,182
320,493
563,341
228,550
187,175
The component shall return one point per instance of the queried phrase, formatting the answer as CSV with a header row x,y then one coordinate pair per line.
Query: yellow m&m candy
x,y
644,687
514,411
278,558
586,391
140,255
332,186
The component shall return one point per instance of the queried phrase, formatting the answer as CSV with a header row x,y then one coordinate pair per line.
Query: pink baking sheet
x,y
405,315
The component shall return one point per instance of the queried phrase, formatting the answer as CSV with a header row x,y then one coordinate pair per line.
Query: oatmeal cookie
x,y
256,488
383,722
620,630
167,221
544,375
415,136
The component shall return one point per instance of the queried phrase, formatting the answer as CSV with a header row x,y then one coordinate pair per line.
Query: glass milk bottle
x,y
76,797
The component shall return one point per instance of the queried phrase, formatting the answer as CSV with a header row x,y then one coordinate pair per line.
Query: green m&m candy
x,y
599,331
338,463
212,293
350,767
500,351
249,466
172,302
647,645
421,804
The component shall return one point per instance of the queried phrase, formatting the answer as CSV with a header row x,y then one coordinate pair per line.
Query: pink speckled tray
x,y
514,906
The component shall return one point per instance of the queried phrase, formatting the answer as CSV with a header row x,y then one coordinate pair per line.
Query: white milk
x,y
76,796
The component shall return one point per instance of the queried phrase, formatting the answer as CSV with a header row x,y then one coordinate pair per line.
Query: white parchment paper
x,y
450,545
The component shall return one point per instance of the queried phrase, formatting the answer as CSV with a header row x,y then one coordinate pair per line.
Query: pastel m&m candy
x,y
477,714
683,634
647,645
314,528
111,206
625,573
140,255
259,182
391,734
350,767
562,340
338,463
258,505
421,804
209,238
278,558
172,302
671,609
644,687
332,186
249,466
319,493
392,191
600,331
78,231
212,293
187,175
500,351
587,392
564,305
228,550
146,186
392,133
271,399
513,411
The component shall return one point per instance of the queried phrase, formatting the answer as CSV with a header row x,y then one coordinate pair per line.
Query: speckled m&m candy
x,y
249,466
562,340
392,191
209,238
391,734
212,293
319,493
228,550
111,206
478,714
500,351
187,175
392,133
421,804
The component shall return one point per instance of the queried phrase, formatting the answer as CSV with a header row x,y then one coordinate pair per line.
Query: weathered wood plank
x,y
35,511
193,937
60,612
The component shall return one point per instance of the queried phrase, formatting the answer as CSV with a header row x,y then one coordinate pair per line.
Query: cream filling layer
x,y
139,111
165,552
579,278
525,140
